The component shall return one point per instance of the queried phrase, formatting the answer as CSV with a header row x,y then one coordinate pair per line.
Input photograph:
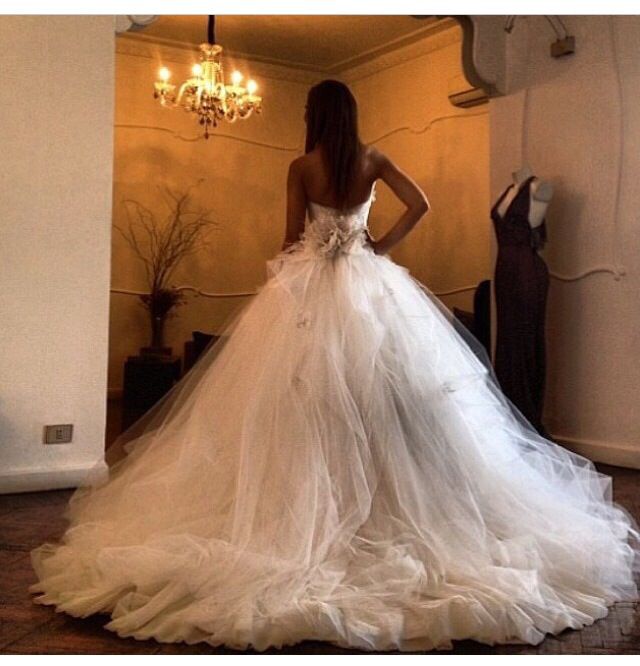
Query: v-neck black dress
x,y
521,286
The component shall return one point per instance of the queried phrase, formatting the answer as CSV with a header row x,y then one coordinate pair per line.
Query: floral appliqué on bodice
x,y
330,232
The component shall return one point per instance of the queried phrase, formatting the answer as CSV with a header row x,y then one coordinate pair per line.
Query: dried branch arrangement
x,y
161,243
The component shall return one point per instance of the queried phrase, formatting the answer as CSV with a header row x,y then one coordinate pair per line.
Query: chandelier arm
x,y
205,93
181,91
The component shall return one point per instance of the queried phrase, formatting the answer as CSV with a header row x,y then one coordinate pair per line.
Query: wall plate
x,y
58,434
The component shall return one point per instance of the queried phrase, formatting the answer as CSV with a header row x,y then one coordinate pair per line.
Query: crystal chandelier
x,y
205,92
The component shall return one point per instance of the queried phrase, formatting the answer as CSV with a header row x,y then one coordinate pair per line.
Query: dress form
x,y
541,193
520,285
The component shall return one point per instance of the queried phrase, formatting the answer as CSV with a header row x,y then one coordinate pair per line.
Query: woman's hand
x,y
371,242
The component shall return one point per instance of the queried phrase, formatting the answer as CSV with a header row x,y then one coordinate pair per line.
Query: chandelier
x,y
205,92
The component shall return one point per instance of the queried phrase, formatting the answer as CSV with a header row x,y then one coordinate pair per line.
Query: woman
x,y
342,465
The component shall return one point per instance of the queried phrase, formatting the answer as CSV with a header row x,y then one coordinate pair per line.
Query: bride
x,y
341,465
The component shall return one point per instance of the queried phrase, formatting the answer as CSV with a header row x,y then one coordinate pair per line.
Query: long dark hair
x,y
332,122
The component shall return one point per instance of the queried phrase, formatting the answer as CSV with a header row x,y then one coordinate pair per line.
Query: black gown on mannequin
x,y
521,286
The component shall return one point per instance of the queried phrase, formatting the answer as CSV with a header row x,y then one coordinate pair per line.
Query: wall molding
x,y
614,268
244,294
197,290
28,480
429,125
618,273
232,137
200,137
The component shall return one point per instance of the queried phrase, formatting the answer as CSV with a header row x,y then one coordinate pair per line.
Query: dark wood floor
x,y
28,519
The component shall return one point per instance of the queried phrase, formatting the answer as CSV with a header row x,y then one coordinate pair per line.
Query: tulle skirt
x,y
341,466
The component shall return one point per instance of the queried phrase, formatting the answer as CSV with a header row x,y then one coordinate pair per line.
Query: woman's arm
x,y
408,191
296,204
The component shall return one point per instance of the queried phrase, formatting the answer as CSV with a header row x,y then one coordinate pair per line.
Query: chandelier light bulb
x,y
205,93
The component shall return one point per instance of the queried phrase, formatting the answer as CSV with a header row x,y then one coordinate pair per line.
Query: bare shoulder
x,y
373,153
305,163
297,166
376,159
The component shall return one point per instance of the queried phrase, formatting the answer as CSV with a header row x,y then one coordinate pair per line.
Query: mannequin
x,y
540,196
520,285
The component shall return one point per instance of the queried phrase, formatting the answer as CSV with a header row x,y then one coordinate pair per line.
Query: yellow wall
x,y
245,165
405,111
243,168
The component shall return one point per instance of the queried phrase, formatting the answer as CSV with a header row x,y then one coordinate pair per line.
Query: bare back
x,y
317,186
308,181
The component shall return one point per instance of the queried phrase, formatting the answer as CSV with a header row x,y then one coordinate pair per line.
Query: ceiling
x,y
326,43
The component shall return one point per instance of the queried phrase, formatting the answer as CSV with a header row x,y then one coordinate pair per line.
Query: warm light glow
x,y
205,93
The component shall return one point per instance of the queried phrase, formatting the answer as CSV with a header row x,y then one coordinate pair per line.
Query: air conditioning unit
x,y
464,95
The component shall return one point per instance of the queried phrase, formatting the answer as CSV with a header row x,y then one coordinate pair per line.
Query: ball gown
x,y
341,466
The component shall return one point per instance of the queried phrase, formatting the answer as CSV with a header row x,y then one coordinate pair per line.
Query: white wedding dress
x,y
341,466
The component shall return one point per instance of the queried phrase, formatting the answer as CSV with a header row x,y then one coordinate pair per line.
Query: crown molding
x,y
417,37
418,42
142,46
437,37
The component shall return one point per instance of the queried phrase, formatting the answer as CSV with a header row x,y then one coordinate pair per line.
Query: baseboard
x,y
20,481
611,453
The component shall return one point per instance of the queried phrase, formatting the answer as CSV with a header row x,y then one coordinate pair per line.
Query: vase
x,y
157,346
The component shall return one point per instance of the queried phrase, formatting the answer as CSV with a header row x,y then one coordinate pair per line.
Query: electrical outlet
x,y
58,434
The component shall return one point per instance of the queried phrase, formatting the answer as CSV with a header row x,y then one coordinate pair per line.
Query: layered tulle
x,y
341,466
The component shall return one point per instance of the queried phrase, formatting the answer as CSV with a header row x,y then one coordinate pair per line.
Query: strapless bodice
x,y
330,231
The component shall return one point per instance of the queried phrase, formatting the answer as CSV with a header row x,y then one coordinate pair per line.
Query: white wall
x,y
56,106
575,120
